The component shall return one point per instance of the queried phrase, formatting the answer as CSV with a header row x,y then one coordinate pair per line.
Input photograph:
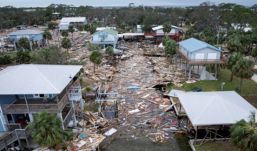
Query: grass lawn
x,y
249,88
216,146
182,142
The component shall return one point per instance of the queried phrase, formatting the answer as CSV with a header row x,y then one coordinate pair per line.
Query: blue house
x,y
199,53
196,50
34,36
28,89
104,38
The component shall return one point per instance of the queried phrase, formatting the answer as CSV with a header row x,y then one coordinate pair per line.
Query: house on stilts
x,y
197,53
208,116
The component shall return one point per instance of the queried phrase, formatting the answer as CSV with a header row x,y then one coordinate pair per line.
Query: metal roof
x,y
104,28
161,27
36,79
193,44
25,32
106,36
215,108
109,31
130,34
72,19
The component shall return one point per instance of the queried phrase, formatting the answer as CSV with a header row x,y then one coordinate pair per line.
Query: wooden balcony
x,y
33,106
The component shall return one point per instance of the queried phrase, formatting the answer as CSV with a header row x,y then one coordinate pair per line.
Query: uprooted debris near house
x,y
154,52
86,141
141,109
89,120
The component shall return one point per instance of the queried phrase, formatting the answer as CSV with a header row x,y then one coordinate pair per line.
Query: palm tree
x,y
170,48
5,59
243,69
233,59
24,43
234,42
47,36
23,57
50,55
244,134
47,130
254,54
66,43
51,25
110,52
92,29
96,58
87,27
64,33
71,30
166,28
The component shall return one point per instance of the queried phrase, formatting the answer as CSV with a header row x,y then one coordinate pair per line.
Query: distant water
x,y
44,3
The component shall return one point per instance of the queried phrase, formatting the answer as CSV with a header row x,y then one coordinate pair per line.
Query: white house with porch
x,y
199,53
31,88
105,38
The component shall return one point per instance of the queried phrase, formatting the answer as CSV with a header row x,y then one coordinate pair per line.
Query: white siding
x,y
212,56
199,56
159,32
205,51
183,51
173,31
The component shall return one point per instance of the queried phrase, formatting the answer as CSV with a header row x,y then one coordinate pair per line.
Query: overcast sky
x,y
44,3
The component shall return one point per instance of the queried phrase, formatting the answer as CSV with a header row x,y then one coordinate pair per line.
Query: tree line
x,y
205,15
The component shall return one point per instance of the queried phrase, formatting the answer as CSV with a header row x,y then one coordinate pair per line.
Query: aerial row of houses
x,y
194,51
107,35
103,36
56,88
